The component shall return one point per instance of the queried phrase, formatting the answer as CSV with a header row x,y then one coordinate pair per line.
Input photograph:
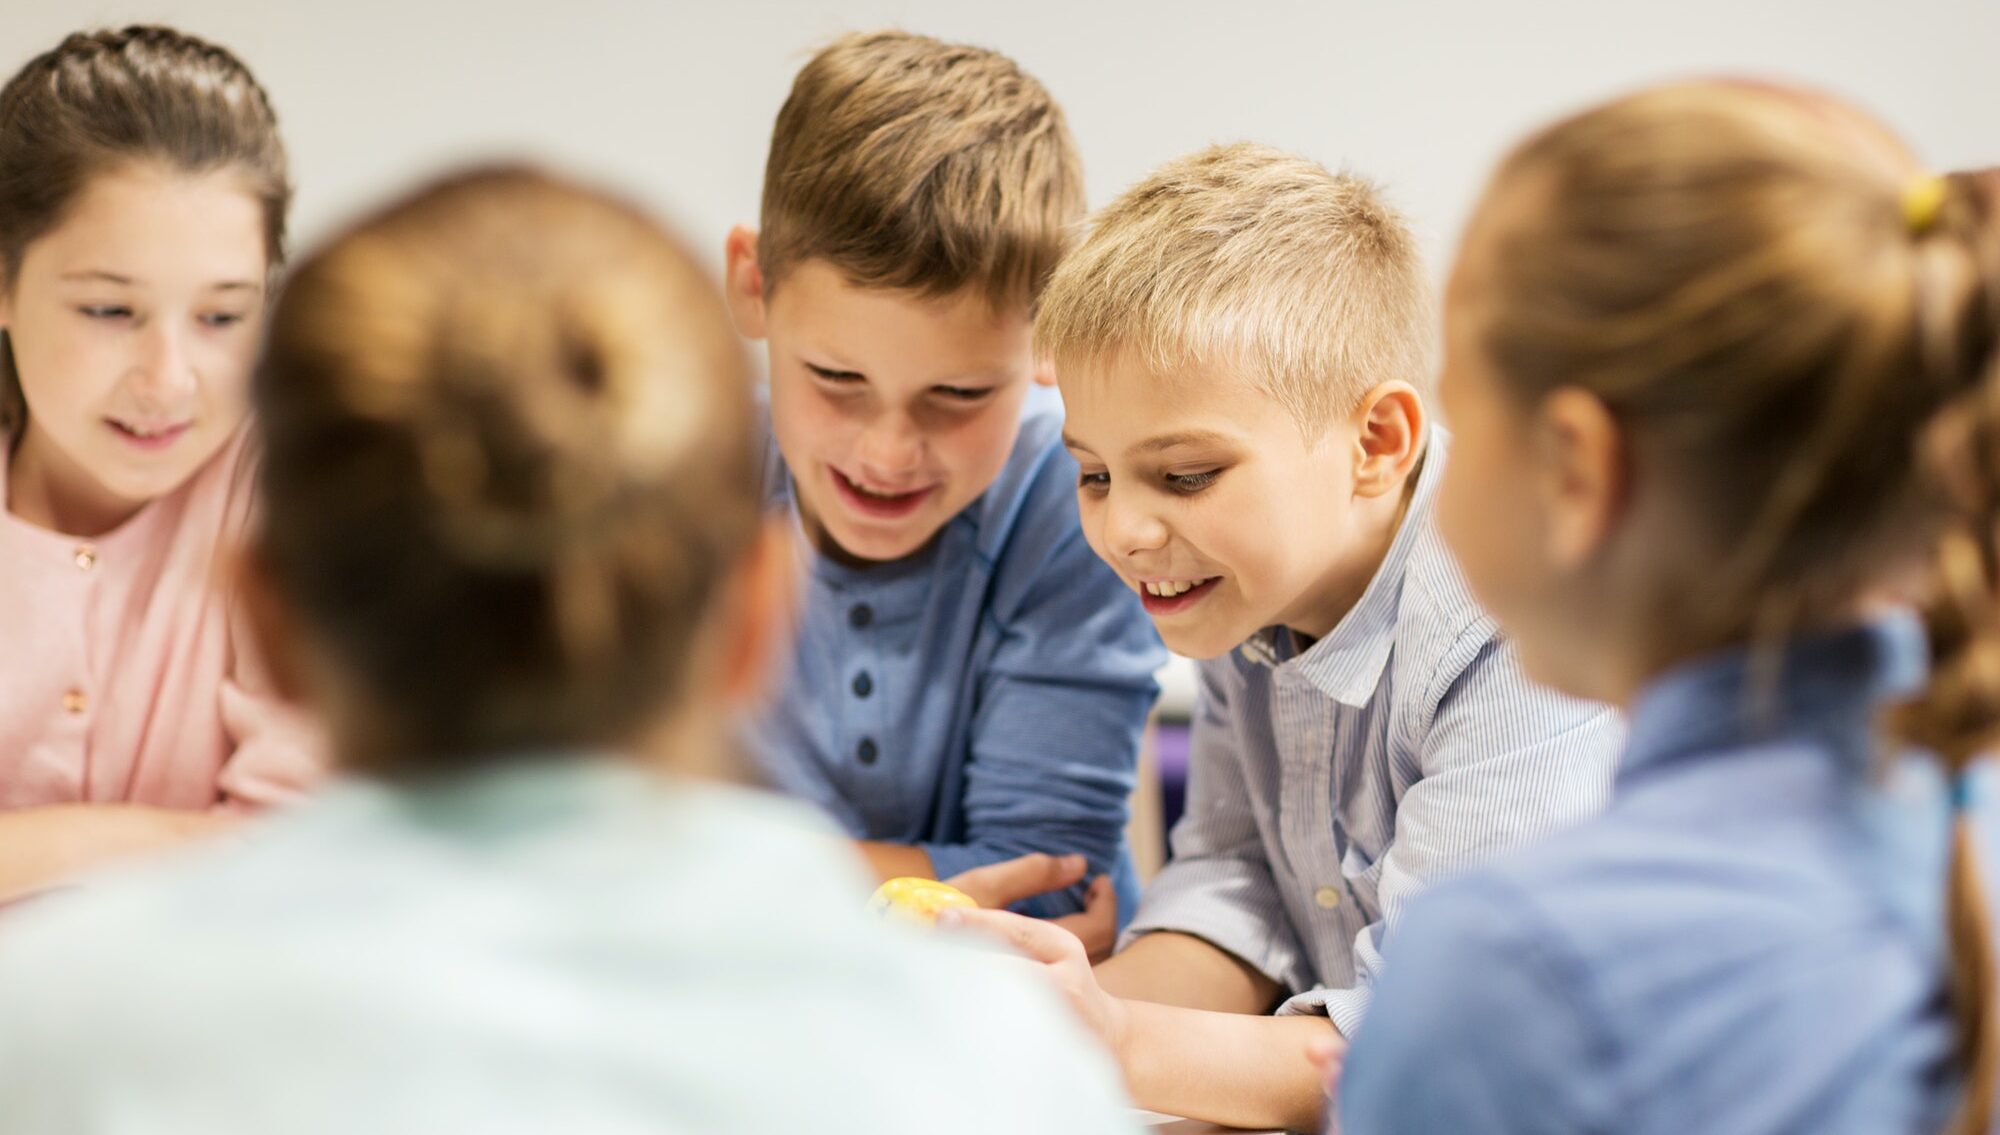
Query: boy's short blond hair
x,y
1246,258
917,165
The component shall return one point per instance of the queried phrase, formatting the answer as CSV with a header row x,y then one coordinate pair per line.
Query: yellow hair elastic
x,y
1923,199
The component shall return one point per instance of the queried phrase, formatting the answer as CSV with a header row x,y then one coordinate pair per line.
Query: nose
x,y
164,376
1130,527
890,448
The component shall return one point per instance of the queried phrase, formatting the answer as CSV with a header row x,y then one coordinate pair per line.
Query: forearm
x,y
1183,970
1232,1069
44,845
896,861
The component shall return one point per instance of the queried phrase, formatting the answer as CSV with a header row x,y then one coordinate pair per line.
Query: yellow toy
x,y
918,900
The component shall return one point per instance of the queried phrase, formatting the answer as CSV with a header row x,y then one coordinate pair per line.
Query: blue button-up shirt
x,y
1750,940
1327,786
982,698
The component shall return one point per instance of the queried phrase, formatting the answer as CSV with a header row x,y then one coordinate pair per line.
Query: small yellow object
x,y
918,900
1923,199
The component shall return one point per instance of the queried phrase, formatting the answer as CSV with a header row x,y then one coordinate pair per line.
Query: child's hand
x,y
1001,885
1063,959
1328,1054
1096,926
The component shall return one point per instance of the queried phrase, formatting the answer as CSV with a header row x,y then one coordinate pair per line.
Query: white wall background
x,y
673,102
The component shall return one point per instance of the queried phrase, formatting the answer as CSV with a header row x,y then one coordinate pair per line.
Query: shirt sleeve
x,y
1504,761
1056,731
1486,1023
1218,885
278,751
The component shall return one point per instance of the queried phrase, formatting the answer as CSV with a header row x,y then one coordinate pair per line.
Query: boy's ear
x,y
1390,422
759,630
1584,475
743,281
1045,373
273,630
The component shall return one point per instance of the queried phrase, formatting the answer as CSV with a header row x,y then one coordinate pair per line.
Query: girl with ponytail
x,y
1721,368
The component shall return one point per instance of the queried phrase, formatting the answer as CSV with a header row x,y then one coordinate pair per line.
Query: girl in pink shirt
x,y
143,194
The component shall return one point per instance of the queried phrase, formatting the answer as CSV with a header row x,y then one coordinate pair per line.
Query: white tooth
x,y
1181,588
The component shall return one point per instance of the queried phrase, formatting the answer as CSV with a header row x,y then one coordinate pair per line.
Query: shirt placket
x,y
77,707
1306,741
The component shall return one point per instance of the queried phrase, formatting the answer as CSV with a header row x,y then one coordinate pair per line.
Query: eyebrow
x,y
99,275
1164,441
1185,437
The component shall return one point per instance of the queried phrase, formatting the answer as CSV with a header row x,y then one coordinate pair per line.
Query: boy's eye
x,y
1192,482
222,319
963,393
836,377
1094,482
106,311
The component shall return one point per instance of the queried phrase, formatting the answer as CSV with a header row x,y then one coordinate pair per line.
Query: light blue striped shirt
x,y
1328,786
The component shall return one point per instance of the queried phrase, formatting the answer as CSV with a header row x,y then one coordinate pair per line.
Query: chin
x,y
878,547
139,490
1198,643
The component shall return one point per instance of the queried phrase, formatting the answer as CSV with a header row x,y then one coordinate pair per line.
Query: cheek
x,y
63,375
1090,515
804,425
977,448
227,368
1489,521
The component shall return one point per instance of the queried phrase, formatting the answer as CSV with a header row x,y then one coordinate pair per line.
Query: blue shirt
x,y
982,698
1750,940
1328,785
576,946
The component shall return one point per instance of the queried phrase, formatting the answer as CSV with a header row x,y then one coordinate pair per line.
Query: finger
x,y
1006,883
1041,941
1097,925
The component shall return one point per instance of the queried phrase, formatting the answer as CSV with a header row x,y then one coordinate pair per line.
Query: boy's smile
x,y
1208,499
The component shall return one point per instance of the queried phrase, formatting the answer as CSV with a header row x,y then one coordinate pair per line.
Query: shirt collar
x,y
1830,685
1347,664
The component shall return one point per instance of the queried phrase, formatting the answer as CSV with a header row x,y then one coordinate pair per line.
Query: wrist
x,y
1123,1038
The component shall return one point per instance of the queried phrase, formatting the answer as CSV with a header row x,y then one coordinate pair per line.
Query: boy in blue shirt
x,y
971,682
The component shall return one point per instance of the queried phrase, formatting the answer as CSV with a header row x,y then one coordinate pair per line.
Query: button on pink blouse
x,y
125,670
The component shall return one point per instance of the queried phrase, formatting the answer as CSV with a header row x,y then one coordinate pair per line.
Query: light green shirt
x,y
572,947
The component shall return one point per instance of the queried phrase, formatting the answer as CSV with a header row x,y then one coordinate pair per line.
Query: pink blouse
x,y
125,669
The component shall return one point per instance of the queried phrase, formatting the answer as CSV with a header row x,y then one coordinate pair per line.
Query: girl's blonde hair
x,y
1781,314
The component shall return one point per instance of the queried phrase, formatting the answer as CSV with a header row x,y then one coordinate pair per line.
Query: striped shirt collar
x,y
1347,664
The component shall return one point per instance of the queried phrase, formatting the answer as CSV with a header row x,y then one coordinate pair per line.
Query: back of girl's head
x,y
1784,316
102,100
509,464
1731,269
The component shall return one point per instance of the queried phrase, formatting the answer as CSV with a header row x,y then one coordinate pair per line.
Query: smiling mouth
x,y
876,504
149,436
1172,596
